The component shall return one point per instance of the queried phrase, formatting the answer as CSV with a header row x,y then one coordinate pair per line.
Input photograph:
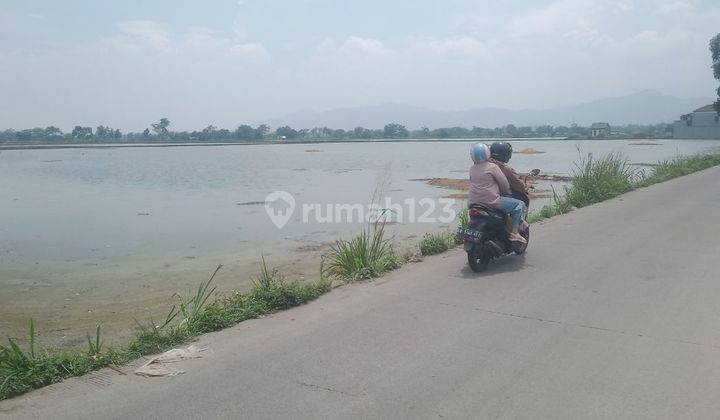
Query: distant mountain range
x,y
645,107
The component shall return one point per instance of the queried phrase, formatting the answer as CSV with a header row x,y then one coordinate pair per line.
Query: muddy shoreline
x,y
463,185
68,299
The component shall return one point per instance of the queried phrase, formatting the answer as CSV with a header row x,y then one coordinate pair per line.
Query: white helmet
x,y
480,152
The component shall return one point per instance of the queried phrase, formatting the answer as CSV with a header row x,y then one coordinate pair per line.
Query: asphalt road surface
x,y
613,313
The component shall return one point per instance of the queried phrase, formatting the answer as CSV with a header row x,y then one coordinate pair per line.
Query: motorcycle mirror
x,y
535,172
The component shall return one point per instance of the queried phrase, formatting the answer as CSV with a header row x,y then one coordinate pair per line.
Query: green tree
x,y
715,50
52,131
561,131
510,131
286,132
524,132
208,133
82,132
161,128
262,131
361,133
24,135
544,131
246,132
395,131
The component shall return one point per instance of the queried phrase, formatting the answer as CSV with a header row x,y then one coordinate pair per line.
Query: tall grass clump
x,y
365,256
598,179
272,292
189,310
198,312
593,180
436,243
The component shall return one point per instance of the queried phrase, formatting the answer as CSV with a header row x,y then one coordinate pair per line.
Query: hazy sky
x,y
128,63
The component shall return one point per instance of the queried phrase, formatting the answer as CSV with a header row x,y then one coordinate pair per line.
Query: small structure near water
x,y
599,130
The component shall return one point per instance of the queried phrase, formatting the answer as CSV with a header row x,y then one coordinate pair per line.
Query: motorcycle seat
x,y
490,210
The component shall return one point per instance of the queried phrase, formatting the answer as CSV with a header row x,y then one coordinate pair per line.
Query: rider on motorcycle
x,y
490,187
500,154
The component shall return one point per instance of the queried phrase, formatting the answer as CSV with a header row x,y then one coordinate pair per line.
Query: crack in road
x,y
325,388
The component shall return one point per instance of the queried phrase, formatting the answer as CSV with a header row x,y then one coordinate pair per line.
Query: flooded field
x,y
109,235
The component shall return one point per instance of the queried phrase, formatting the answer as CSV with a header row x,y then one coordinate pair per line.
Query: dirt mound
x,y
644,143
464,185
529,151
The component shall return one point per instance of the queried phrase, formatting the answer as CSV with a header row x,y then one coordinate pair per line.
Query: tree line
x,y
715,55
160,132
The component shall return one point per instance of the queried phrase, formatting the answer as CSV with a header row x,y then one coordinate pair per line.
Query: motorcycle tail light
x,y
475,212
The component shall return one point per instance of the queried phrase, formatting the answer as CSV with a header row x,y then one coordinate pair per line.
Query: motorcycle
x,y
487,237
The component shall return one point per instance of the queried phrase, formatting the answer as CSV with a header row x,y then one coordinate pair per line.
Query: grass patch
x,y
463,219
436,243
596,180
24,370
679,166
365,256
201,311
560,206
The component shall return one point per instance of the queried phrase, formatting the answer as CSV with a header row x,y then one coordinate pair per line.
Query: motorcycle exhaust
x,y
497,249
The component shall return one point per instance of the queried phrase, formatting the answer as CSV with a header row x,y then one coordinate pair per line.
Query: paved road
x,y
613,313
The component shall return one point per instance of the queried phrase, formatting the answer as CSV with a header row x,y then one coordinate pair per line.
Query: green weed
x,y
436,243
22,371
679,166
365,256
596,180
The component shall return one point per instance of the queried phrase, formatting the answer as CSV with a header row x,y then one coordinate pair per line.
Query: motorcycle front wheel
x,y
478,259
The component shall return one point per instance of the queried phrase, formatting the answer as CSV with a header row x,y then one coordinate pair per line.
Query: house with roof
x,y
599,130
703,123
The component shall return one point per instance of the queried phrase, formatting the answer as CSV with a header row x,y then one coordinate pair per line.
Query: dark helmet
x,y
501,150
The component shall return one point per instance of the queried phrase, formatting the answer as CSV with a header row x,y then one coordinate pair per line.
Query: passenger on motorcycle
x,y
490,187
500,154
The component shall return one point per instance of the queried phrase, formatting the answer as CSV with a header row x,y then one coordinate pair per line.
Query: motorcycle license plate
x,y
472,233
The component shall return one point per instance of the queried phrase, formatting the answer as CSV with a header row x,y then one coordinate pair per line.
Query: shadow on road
x,y
501,265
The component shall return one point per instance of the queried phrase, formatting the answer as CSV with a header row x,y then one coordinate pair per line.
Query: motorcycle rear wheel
x,y
520,248
478,259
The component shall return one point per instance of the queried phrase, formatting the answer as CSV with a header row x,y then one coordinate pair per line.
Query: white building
x,y
599,129
703,123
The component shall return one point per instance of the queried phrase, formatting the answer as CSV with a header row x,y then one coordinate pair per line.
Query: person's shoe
x,y
515,237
